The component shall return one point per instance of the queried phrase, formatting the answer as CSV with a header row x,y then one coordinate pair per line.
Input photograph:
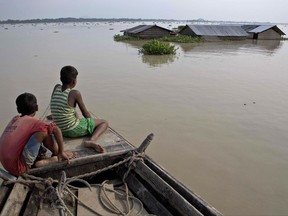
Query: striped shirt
x,y
63,114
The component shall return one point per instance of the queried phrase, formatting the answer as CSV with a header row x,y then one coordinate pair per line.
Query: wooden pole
x,y
145,143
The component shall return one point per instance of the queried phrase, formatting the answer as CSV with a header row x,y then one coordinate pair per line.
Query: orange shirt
x,y
13,140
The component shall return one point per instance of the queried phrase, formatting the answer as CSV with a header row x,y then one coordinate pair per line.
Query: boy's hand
x,y
63,157
66,156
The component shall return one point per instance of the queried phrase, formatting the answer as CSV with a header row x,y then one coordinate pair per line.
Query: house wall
x,y
250,35
153,32
269,35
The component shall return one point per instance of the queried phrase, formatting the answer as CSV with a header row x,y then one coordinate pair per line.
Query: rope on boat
x,y
57,194
112,207
30,179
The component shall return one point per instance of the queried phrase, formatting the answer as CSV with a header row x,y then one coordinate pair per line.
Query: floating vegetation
x,y
160,60
156,47
182,39
172,38
119,37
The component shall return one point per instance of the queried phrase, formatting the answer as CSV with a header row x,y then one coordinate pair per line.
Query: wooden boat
x,y
121,181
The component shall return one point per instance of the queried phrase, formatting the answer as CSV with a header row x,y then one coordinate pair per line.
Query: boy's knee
x,y
105,123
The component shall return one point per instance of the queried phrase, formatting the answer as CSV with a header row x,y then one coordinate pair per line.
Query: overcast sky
x,y
213,10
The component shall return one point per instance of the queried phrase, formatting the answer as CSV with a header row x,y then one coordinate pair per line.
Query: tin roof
x,y
263,28
141,28
218,30
247,28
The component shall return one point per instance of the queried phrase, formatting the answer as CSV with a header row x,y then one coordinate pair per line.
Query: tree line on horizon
x,y
71,19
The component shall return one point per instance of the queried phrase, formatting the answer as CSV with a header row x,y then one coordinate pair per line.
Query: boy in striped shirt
x,y
63,103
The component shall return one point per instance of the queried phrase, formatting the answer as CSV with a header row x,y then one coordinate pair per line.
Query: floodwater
x,y
218,109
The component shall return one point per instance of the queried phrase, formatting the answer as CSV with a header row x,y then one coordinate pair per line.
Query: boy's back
x,y
63,114
13,140
64,100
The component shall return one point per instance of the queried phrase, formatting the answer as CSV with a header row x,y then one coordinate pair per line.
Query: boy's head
x,y
26,104
68,74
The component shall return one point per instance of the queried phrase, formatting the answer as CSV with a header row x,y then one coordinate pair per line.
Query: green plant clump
x,y
156,47
182,39
119,37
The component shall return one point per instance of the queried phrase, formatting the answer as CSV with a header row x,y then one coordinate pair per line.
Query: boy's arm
x,y
75,97
59,139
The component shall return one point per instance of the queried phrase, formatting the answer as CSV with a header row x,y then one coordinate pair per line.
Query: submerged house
x,y
263,32
215,32
147,31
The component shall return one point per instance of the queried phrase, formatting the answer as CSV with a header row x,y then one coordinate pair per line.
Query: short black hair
x,y
26,104
68,74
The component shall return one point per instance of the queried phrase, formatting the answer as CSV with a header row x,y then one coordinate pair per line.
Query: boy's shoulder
x,y
27,121
74,92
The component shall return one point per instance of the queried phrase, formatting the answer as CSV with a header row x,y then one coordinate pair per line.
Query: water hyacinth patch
x,y
156,47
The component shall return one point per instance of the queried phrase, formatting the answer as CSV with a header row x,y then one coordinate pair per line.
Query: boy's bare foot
x,y
71,154
94,145
54,159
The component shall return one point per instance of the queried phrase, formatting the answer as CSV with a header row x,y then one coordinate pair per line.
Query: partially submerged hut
x,y
263,32
147,31
215,32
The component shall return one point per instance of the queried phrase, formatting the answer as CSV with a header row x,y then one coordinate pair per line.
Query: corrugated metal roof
x,y
247,28
263,28
134,28
218,30
141,28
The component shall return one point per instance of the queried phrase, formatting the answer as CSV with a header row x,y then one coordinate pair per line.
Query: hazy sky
x,y
225,10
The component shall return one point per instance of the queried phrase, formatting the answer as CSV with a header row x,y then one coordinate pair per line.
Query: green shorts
x,y
85,127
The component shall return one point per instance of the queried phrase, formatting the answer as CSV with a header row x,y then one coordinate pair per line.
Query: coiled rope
x,y
56,194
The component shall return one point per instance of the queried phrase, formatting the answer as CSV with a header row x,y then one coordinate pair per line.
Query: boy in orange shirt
x,y
23,138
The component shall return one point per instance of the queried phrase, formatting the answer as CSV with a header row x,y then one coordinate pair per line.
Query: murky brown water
x,y
218,110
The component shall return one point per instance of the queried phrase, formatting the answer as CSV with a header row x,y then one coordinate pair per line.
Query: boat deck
x,y
122,167
110,140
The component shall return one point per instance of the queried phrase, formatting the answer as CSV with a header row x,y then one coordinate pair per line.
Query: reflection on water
x,y
134,44
151,60
159,60
265,47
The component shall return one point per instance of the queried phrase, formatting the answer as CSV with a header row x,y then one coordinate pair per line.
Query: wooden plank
x,y
15,200
79,161
200,204
148,200
92,200
168,195
4,194
48,208
33,204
